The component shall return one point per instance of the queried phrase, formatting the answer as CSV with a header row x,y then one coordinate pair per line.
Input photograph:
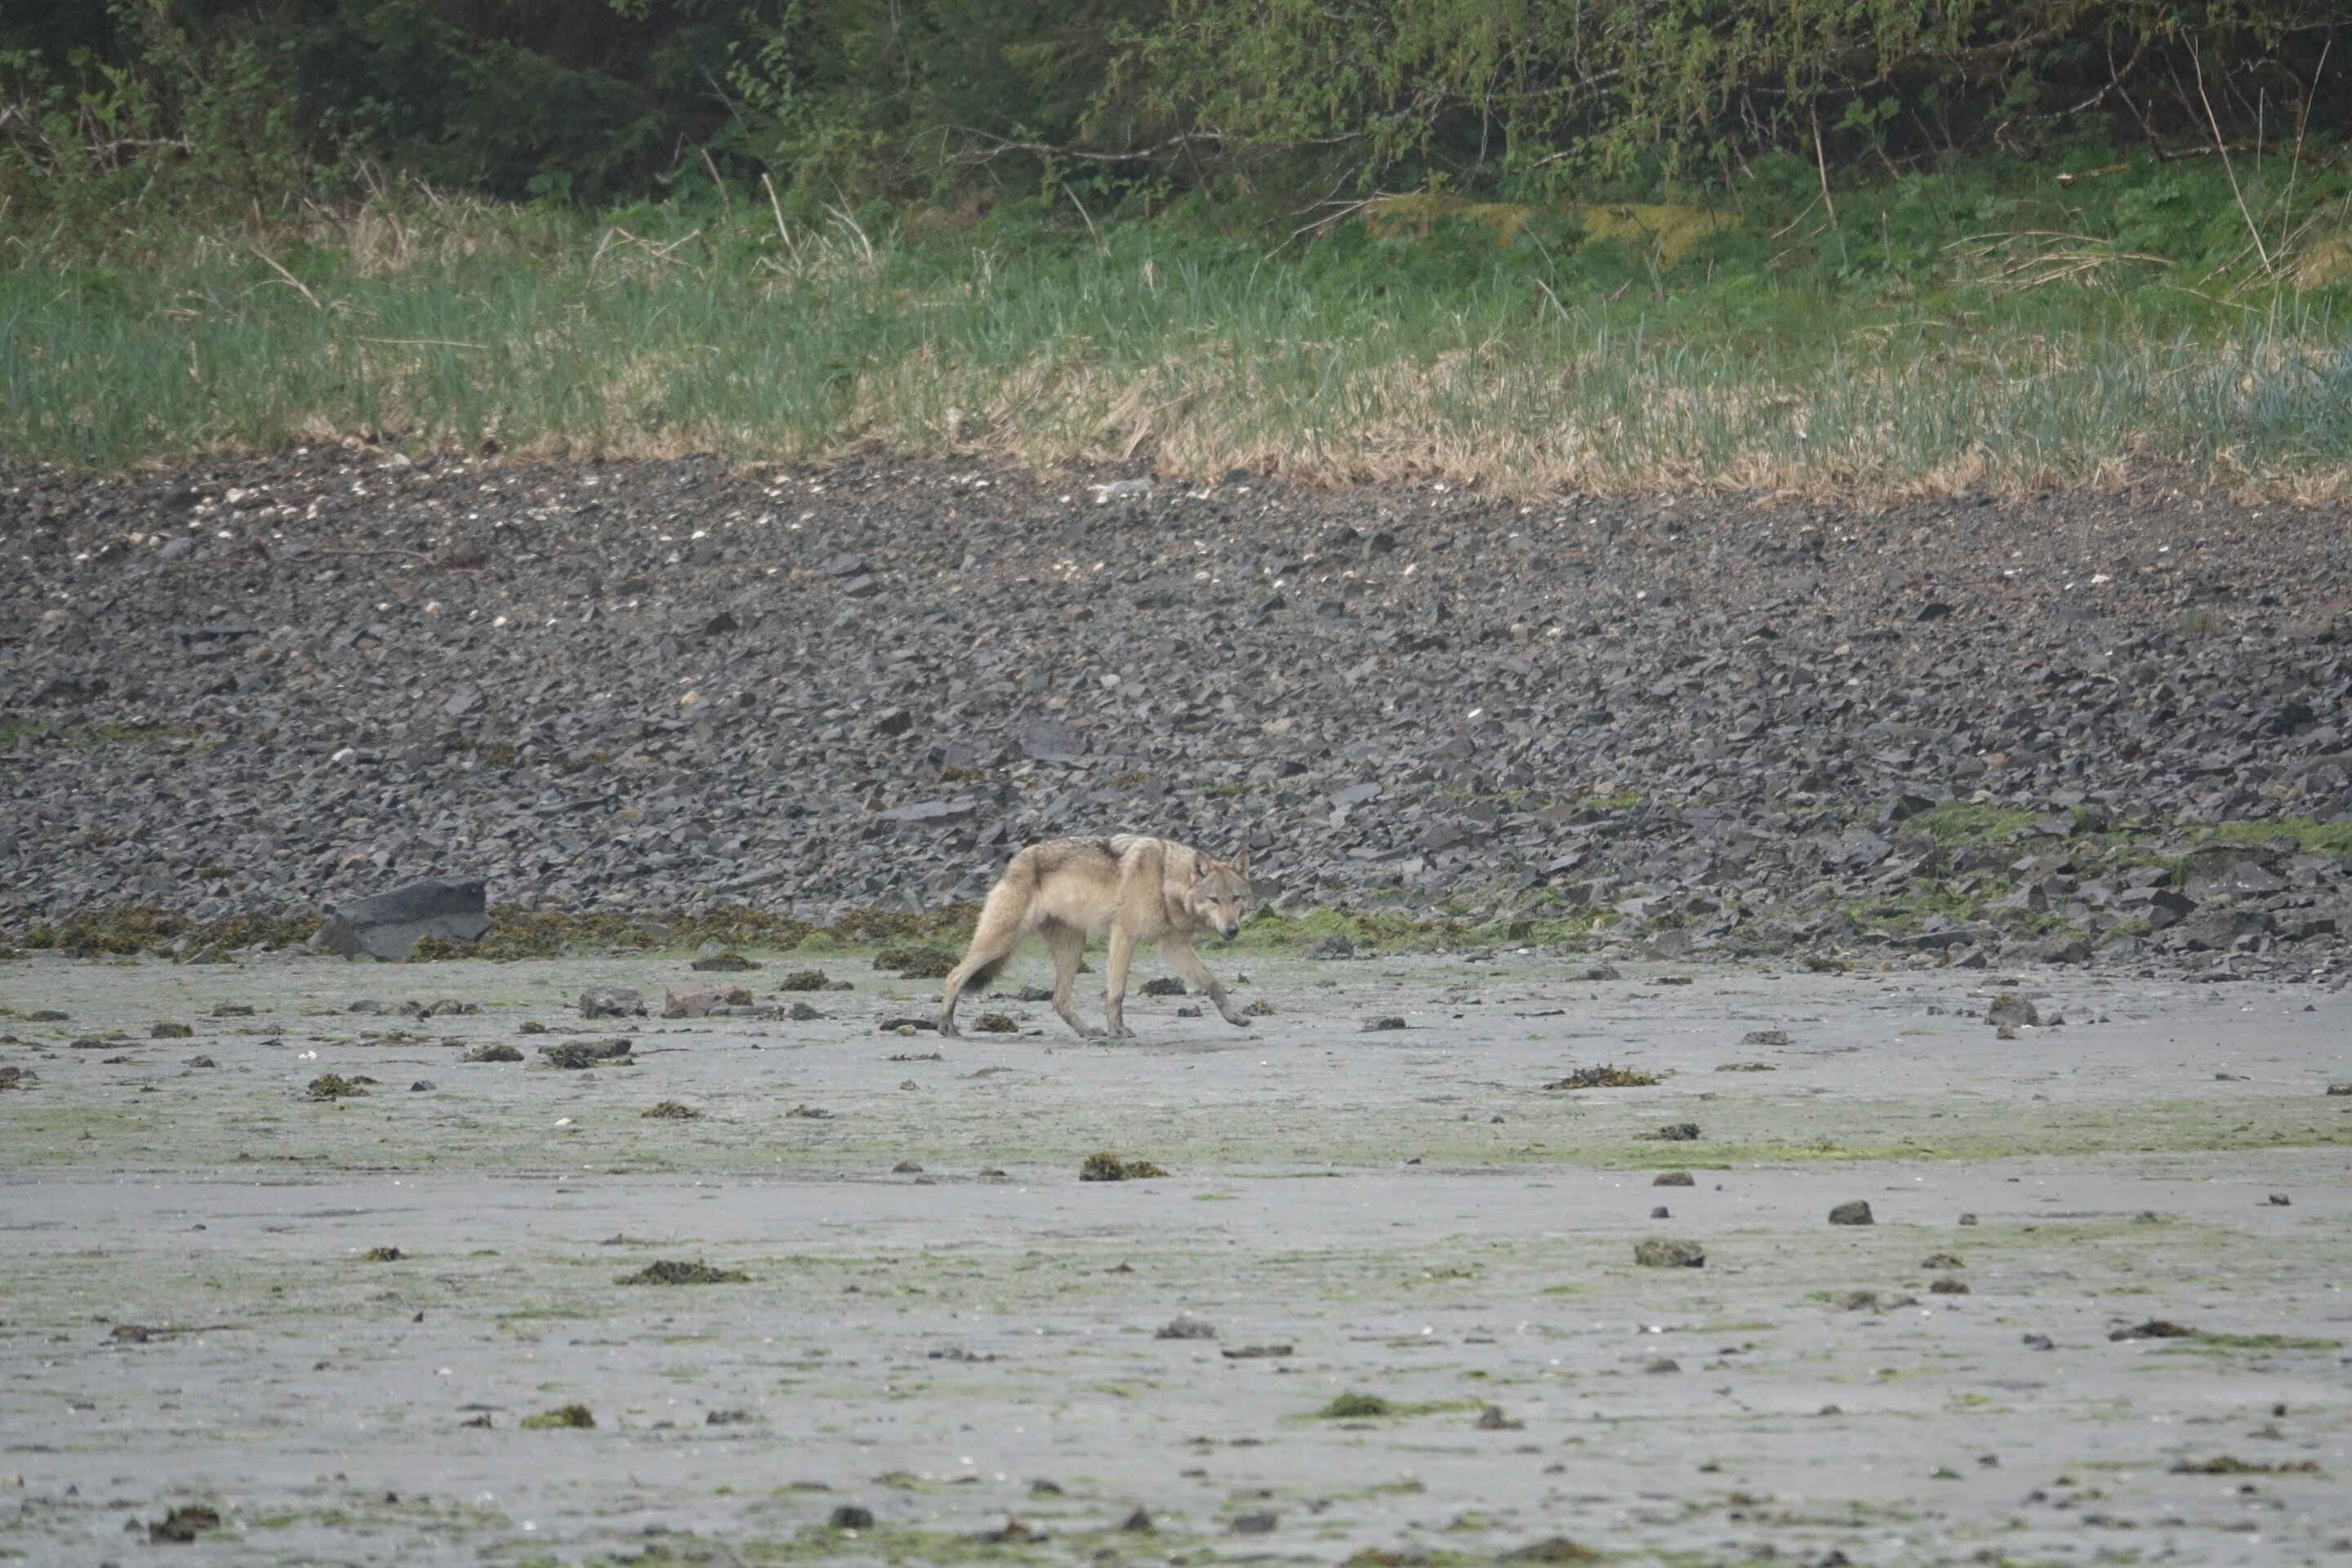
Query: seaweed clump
x,y
1108,1167
1609,1076
568,1416
694,1273
915,962
335,1086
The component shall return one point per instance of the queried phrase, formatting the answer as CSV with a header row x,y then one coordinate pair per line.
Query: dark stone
x,y
1669,1252
611,1002
1855,1213
923,812
2013,1009
389,925
1051,740
1904,808
576,1055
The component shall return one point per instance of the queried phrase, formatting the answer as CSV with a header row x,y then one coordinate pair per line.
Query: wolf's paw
x,y
948,1031
1086,1031
1237,1020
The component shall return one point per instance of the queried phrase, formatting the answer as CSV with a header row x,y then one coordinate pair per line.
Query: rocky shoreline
x,y
2056,729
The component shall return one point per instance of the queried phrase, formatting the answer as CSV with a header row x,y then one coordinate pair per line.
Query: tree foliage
x,y
256,105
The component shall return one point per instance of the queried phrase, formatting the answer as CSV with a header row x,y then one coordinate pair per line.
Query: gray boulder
x,y
611,1002
389,925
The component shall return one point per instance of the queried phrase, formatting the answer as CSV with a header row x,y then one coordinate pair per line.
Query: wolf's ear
x,y
1200,864
1241,863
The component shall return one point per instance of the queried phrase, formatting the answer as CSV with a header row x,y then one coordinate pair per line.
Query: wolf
x,y
1135,889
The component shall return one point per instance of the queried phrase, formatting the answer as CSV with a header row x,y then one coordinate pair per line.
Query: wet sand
x,y
1408,1210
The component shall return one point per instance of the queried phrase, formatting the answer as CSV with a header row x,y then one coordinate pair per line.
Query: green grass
x,y
2310,838
1957,822
1979,327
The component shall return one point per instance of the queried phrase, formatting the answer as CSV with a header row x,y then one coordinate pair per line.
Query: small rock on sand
x,y
2155,1329
1669,1252
2009,1008
611,1002
1674,1179
701,1001
1855,1213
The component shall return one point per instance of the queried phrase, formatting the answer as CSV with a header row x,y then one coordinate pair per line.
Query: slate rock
x,y
701,1001
2241,878
1052,740
1855,1212
611,1002
387,926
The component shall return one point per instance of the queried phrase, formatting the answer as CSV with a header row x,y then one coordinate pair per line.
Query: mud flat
x,y
1384,1305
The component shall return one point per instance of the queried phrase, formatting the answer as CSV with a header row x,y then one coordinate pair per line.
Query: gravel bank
x,y
2070,726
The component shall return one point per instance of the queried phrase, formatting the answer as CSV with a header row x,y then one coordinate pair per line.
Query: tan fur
x,y
1132,887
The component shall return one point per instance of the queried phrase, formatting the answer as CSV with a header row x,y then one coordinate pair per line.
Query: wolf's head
x,y
1220,891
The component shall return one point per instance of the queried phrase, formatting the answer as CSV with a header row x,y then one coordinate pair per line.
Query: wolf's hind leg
x,y
1068,945
1187,962
992,948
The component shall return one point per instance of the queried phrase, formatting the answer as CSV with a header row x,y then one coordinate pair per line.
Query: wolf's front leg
x,y
1114,967
1187,962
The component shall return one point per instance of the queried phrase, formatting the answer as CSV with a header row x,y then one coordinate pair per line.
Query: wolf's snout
x,y
1230,930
